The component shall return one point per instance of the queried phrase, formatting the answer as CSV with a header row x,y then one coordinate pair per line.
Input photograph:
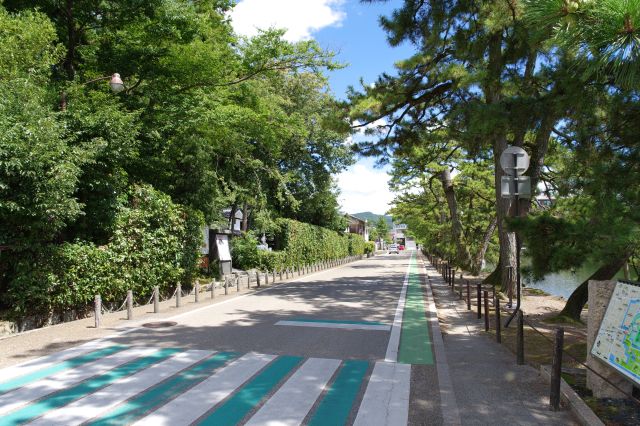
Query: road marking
x,y
35,390
386,400
394,340
291,403
47,361
344,326
108,398
415,344
250,395
66,396
336,405
35,374
192,404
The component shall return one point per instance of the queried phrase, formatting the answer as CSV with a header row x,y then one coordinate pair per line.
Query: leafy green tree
x,y
381,229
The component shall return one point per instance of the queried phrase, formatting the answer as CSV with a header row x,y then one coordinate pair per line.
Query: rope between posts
x,y
579,362
628,395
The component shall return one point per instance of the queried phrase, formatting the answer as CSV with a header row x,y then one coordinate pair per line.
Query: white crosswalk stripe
x,y
292,402
104,400
22,396
288,403
192,404
386,400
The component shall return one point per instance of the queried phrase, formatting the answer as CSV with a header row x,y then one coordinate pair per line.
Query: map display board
x,y
618,340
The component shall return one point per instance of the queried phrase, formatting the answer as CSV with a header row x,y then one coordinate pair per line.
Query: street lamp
x,y
115,83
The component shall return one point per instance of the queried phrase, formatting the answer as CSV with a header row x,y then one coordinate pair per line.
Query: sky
x,y
351,29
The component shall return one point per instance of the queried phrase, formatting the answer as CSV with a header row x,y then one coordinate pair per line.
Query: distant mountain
x,y
373,218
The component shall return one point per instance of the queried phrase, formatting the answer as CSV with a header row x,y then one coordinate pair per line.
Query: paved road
x,y
328,349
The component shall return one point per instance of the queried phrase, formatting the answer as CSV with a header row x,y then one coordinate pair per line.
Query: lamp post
x,y
515,161
115,83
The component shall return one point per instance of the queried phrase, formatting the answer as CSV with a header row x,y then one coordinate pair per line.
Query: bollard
x,y
237,283
479,289
498,323
129,305
280,274
468,296
196,292
520,339
226,285
453,280
97,310
299,270
248,280
286,273
156,300
460,290
258,279
556,370
213,289
486,310
179,295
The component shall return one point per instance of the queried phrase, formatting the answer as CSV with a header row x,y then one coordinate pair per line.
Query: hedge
x,y
296,243
155,243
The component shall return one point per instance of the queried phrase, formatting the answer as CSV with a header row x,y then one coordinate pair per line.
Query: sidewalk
x,y
490,389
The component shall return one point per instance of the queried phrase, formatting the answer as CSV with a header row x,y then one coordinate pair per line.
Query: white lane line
x,y
377,327
396,328
291,403
28,367
386,400
35,390
104,400
448,402
192,404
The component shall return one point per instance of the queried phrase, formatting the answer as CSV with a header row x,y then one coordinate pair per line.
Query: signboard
x,y
618,340
508,187
514,158
222,243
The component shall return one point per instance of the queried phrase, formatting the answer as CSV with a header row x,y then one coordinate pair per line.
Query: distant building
x,y
358,226
543,201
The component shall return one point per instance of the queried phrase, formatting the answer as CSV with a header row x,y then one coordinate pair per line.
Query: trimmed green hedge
x,y
155,243
297,243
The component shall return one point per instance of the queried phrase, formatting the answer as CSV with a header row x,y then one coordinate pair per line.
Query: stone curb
x,y
578,407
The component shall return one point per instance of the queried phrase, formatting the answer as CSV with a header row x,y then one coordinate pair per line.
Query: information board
x,y
618,340
222,241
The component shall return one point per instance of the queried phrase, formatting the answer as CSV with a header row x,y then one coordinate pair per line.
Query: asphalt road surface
x,y
348,345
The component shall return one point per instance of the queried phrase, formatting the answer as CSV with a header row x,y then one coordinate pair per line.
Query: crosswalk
x,y
101,383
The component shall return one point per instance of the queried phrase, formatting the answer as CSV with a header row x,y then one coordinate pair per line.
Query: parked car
x,y
393,248
400,247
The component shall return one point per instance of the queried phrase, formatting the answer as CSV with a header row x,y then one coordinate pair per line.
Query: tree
x,y
381,229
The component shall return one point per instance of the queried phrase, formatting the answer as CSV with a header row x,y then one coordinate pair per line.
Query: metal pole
x,y
556,369
453,280
213,289
479,290
498,323
517,251
97,310
156,299
129,305
178,295
520,339
468,296
486,310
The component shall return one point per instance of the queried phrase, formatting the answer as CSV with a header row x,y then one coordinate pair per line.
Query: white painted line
x,y
192,404
394,339
345,326
448,402
291,403
28,367
22,396
386,400
105,399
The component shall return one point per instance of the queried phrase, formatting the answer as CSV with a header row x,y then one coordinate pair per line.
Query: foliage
x,y
369,247
381,229
155,243
297,244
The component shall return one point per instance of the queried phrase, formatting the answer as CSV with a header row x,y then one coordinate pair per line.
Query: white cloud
x,y
299,17
363,188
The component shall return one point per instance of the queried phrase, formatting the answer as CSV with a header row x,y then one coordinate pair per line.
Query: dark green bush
x,y
369,247
155,243
297,243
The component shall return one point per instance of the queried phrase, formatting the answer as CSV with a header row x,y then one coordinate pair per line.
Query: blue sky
x,y
351,29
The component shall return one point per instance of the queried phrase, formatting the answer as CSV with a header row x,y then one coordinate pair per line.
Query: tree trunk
x,y
573,308
477,264
462,252
245,217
